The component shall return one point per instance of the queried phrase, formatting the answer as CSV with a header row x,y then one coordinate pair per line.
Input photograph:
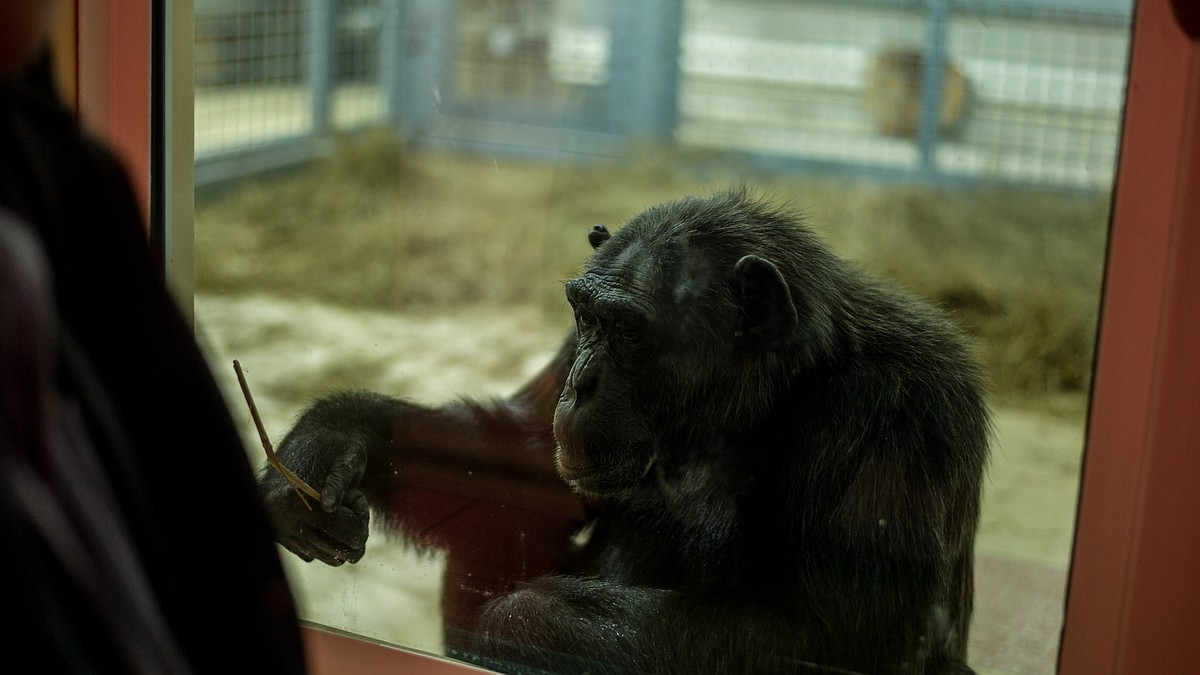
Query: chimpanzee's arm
x,y
364,450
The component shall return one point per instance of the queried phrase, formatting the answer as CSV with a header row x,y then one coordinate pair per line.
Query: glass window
x,y
391,195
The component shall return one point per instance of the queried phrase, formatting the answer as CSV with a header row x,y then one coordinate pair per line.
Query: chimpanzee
x,y
747,456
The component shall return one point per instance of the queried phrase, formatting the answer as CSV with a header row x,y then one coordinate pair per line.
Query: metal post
x,y
426,58
172,183
320,62
391,67
645,67
932,75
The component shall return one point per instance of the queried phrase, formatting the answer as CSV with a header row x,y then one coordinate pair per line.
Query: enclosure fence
x,y
1020,91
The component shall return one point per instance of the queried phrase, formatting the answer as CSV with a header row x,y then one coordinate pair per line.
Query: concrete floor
x,y
1024,545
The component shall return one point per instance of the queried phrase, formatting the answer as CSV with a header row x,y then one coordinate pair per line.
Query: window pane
x,y
391,196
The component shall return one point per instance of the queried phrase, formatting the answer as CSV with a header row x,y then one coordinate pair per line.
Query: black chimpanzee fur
x,y
780,459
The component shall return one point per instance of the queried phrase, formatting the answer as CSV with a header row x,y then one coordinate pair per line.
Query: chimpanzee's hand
x,y
333,537
328,448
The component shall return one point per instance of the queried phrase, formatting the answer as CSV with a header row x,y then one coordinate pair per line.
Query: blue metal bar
x,y
645,67
391,66
932,71
320,62
427,57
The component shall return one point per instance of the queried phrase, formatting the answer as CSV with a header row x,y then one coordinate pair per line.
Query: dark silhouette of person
x,y
135,541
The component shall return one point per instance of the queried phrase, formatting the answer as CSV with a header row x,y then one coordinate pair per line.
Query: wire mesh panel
x,y
1023,92
358,45
268,71
1047,87
249,73
786,78
502,53
531,76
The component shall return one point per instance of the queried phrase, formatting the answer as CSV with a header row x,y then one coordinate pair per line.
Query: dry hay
x,y
375,227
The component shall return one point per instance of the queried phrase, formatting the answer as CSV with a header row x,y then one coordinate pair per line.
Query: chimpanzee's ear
x,y
768,314
598,235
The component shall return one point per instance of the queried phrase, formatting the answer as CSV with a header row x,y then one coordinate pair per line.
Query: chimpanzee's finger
x,y
345,474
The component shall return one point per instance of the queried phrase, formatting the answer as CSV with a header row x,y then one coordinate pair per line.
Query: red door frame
x,y
113,86
1133,601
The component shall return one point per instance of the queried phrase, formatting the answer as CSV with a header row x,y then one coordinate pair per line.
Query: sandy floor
x,y
293,352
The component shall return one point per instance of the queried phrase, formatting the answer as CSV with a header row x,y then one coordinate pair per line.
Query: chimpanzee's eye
x,y
584,319
627,332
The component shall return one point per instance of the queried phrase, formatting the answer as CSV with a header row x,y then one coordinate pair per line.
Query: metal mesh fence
x,y
786,79
1028,91
248,73
272,70
1047,91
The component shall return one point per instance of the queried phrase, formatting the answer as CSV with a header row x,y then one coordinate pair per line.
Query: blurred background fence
x,y
1014,91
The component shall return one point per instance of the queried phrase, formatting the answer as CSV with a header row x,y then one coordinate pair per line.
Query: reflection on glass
x,y
436,262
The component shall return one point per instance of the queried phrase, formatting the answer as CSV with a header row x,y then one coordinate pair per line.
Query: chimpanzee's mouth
x,y
598,479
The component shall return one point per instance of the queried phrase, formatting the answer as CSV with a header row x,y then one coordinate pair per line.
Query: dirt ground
x,y
288,346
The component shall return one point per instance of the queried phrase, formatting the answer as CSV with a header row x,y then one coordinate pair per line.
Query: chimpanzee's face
x,y
603,422
647,338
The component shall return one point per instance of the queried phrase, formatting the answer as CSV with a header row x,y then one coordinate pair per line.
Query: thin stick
x,y
297,482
